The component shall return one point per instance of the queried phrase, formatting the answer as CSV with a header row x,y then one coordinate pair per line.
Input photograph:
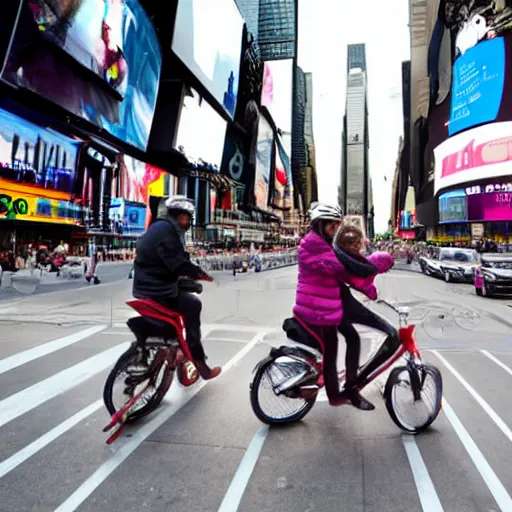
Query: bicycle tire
x,y
257,409
393,380
125,359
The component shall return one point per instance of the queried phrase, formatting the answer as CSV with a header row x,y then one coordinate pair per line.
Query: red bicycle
x,y
146,370
292,375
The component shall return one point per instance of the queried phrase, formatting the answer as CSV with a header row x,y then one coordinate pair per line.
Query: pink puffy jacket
x,y
318,300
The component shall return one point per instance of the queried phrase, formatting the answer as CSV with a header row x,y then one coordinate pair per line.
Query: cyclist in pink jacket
x,y
318,306
348,244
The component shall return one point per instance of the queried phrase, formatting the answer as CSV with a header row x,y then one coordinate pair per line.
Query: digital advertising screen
x,y
477,85
283,144
263,163
487,202
277,93
140,180
201,131
114,39
22,202
129,219
477,154
280,182
453,207
36,157
208,40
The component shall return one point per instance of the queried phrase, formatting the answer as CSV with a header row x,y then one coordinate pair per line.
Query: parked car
x,y
452,264
493,275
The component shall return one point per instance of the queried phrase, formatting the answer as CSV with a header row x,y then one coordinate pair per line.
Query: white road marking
x,y
30,398
236,490
483,404
426,491
127,445
497,361
44,349
18,458
492,481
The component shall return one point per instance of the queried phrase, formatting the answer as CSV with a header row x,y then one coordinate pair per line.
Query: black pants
x,y
190,307
355,313
329,337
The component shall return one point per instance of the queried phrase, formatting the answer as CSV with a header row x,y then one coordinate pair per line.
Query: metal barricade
x,y
227,262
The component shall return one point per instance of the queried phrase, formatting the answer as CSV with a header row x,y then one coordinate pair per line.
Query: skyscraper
x,y
355,189
356,57
250,10
277,31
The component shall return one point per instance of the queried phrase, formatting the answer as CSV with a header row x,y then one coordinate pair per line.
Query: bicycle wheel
x,y
412,414
120,374
270,374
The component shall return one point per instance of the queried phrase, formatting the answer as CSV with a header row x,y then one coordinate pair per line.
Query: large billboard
x,y
35,156
139,180
208,39
110,40
201,131
489,201
25,203
470,53
477,85
277,93
477,154
263,163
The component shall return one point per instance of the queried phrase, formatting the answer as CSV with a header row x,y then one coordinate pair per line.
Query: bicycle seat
x,y
151,309
144,328
296,332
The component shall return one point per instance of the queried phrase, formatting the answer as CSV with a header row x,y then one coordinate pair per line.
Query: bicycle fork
x,y
119,417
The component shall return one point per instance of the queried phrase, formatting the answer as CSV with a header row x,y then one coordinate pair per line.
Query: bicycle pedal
x,y
114,436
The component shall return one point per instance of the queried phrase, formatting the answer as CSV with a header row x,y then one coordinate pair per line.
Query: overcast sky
x,y
325,29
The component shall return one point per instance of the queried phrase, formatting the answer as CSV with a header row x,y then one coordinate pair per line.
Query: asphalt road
x,y
204,450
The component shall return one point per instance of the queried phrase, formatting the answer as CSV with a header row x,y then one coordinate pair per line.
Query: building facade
x,y
277,30
355,193
311,178
250,10
356,57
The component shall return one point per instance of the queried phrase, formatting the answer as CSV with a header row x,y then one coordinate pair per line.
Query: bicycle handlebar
x,y
398,310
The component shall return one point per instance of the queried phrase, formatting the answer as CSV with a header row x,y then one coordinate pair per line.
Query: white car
x,y
451,264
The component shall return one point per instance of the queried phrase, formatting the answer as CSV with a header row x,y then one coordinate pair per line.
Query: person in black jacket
x,y
161,260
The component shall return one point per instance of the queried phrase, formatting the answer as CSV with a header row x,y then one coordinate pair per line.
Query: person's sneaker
x,y
360,402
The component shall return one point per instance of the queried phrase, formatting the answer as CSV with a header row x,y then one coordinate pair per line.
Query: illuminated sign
x,y
21,204
477,154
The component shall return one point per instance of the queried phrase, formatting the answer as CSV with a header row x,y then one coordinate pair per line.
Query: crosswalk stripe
x,y
30,398
132,443
492,481
236,490
497,361
426,490
21,358
18,458
483,404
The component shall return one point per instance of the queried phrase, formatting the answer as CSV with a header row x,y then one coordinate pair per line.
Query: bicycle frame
x,y
179,357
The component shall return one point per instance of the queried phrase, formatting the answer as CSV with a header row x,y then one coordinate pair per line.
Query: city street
x,y
204,450
107,272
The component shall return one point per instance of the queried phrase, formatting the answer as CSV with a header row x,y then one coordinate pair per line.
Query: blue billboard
x,y
477,86
128,218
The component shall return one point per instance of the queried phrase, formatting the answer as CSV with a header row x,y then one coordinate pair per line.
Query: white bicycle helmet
x,y
326,212
180,204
